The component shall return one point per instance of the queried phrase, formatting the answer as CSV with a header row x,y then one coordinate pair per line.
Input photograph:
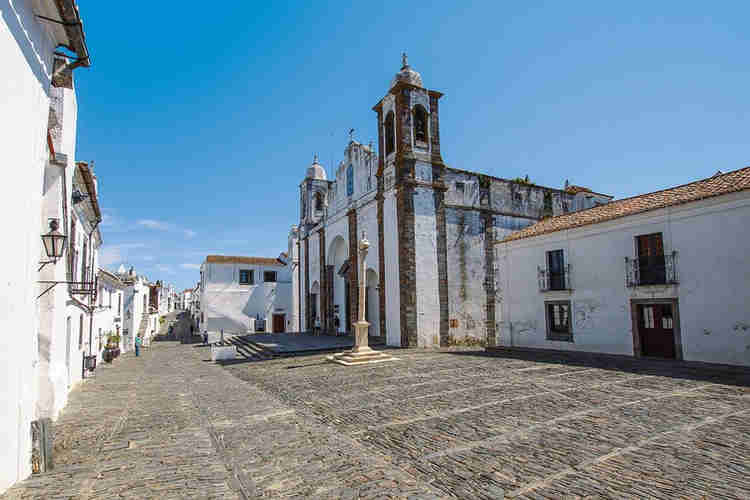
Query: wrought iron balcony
x,y
652,270
554,280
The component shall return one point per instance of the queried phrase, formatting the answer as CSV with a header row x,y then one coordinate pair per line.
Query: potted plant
x,y
112,350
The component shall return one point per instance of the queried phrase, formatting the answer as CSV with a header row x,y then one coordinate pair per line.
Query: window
x,y
246,277
119,303
651,262
350,180
556,270
269,276
83,261
80,331
72,253
318,202
558,321
390,137
420,124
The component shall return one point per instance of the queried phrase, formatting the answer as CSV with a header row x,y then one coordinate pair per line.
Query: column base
x,y
360,356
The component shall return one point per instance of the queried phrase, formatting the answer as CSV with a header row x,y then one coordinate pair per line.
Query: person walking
x,y
138,345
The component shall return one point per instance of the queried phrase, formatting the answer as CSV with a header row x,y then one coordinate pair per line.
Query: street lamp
x,y
54,241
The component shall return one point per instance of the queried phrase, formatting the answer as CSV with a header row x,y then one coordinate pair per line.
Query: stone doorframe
x,y
634,303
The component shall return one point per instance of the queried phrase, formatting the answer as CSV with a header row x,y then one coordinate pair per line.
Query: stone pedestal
x,y
361,354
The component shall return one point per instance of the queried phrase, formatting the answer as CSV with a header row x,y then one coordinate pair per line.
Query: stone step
x,y
258,349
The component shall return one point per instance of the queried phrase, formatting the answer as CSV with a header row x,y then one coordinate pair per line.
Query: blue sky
x,y
203,120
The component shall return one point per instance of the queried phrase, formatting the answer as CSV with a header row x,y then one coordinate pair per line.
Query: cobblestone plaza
x,y
171,424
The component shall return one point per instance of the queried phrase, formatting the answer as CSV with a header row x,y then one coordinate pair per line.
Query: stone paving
x,y
473,426
170,424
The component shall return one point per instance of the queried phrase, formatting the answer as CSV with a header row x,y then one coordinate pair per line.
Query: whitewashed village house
x,y
186,298
68,305
245,294
137,315
663,274
430,276
38,127
108,317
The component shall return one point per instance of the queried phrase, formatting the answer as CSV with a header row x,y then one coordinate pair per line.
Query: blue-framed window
x,y
349,180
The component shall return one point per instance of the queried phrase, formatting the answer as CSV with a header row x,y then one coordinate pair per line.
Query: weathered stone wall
x,y
426,267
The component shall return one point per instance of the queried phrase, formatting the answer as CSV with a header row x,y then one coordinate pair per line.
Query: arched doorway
x,y
372,306
337,257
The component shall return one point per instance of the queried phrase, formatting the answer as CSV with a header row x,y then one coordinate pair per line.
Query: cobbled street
x,y
171,424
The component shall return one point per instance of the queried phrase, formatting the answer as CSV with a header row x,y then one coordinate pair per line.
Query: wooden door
x,y
279,321
656,327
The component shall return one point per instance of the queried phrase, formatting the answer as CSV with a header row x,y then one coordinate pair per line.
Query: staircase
x,y
247,349
143,327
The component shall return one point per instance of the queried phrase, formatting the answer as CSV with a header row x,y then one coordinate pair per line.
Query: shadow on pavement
x,y
721,374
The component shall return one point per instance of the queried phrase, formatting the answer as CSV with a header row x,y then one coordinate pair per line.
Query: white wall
x,y
229,306
712,242
392,285
25,52
425,244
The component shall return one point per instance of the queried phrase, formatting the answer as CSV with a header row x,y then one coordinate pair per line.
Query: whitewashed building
x,y
32,78
68,290
108,313
245,294
663,274
430,274
139,318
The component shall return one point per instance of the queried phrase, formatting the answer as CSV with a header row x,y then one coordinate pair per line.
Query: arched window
x,y
390,136
318,202
420,123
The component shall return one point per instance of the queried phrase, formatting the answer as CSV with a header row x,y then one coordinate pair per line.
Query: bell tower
x,y
313,195
410,201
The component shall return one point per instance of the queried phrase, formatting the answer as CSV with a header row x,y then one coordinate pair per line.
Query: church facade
x,y
431,274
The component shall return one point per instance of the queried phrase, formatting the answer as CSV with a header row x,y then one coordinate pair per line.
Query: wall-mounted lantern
x,y
54,241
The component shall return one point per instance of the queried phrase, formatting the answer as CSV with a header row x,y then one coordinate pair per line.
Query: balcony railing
x,y
554,280
652,270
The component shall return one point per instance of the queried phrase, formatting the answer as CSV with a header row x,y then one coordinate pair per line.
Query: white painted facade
x,y
28,152
137,318
226,304
26,51
711,242
108,314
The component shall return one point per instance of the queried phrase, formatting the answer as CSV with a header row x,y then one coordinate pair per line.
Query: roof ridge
x,y
610,210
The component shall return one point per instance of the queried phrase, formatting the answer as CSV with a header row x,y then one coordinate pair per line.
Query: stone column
x,y
361,353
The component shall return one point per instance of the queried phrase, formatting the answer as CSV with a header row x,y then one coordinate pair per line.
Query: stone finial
x,y
315,158
404,60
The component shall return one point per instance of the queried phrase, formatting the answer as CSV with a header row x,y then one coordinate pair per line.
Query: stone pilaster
x,y
323,281
308,323
381,261
353,273
407,264
442,260
435,126
489,258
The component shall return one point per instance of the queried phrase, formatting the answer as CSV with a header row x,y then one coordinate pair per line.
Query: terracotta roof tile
x,y
738,180
232,259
